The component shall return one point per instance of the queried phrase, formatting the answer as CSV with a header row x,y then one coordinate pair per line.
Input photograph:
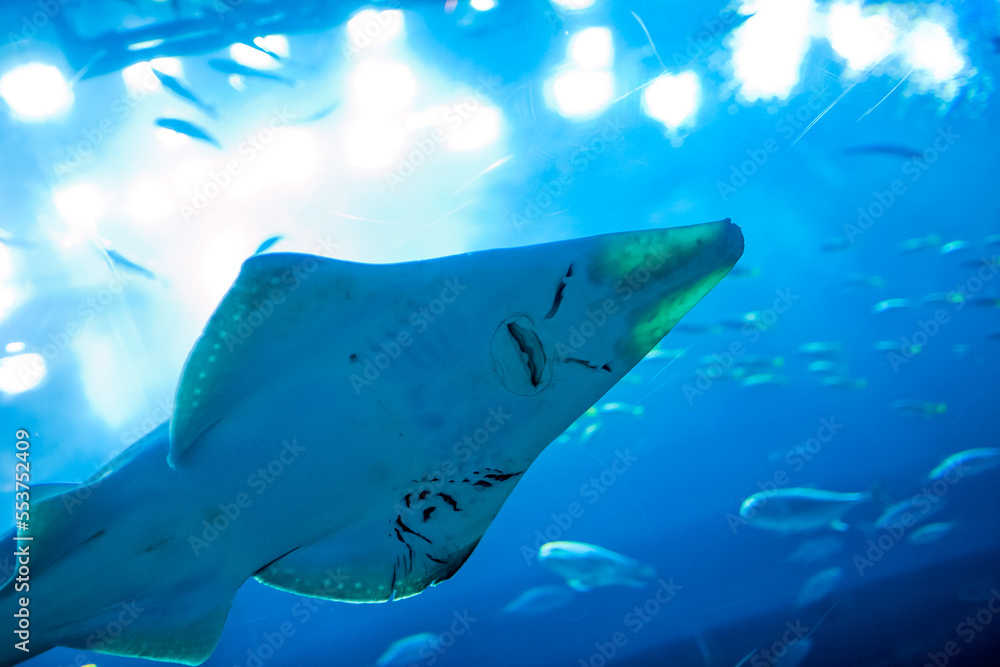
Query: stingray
x,y
347,431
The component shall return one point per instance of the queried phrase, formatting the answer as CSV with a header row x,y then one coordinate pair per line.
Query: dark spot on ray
x,y
466,479
406,529
451,501
406,499
482,483
569,271
556,301
529,343
428,512
435,480
423,494
400,536
606,368
443,562
157,545
502,478
94,536
353,357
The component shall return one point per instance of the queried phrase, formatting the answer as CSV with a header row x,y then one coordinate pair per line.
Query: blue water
x,y
862,160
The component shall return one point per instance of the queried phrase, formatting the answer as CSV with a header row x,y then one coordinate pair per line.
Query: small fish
x,y
816,549
942,298
266,245
800,509
539,600
993,239
922,243
763,378
586,566
408,650
960,349
909,512
620,408
189,129
122,262
968,462
177,88
841,382
985,302
954,246
835,243
226,66
826,366
891,150
893,304
908,349
861,280
818,586
930,533
759,361
821,349
912,407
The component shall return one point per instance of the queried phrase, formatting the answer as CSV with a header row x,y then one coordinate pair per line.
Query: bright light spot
x,y
483,5
769,47
251,57
383,87
930,48
581,94
36,92
372,145
220,262
21,372
140,75
172,138
861,40
592,48
292,157
81,206
573,5
139,46
112,389
237,82
673,99
370,26
150,202
276,44
14,347
481,128
171,66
